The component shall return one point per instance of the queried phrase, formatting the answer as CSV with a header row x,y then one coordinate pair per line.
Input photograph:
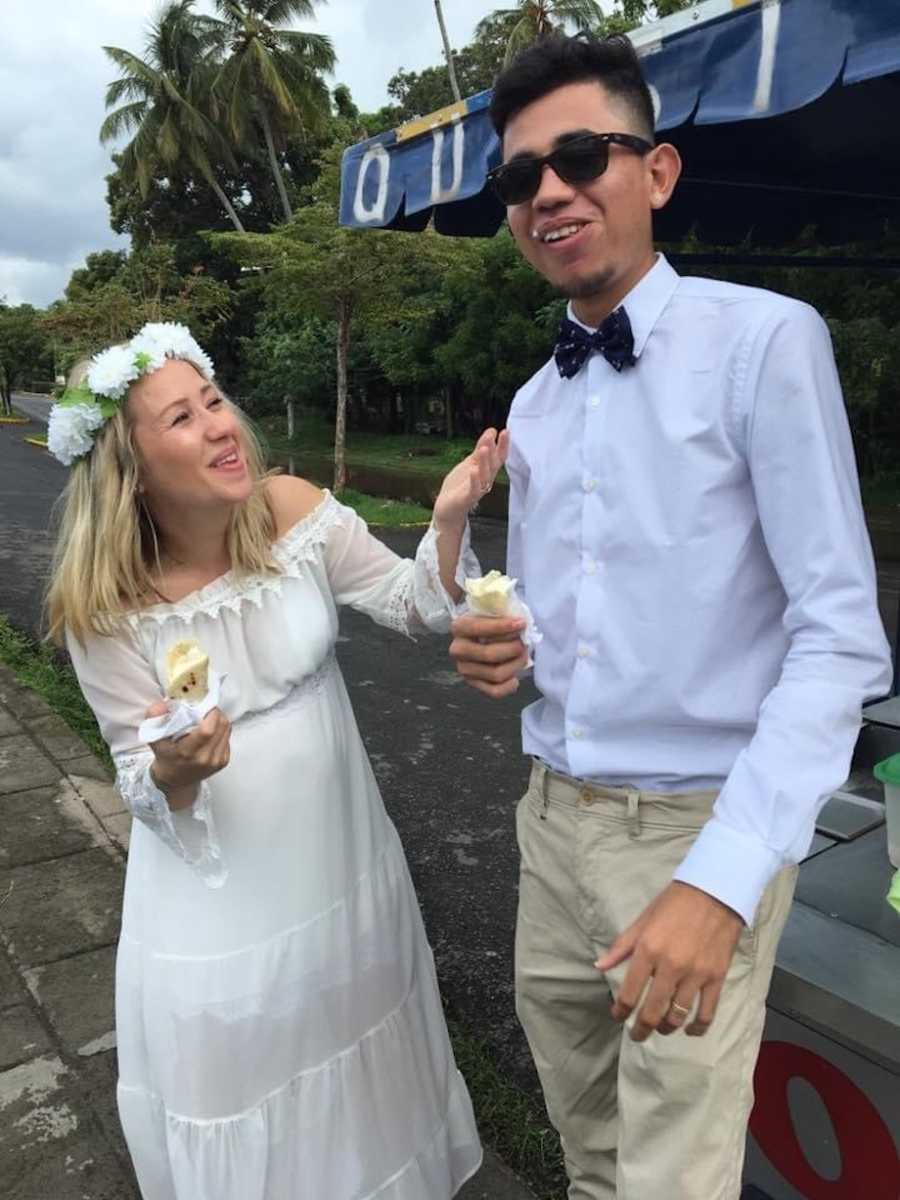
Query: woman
x,y
279,1028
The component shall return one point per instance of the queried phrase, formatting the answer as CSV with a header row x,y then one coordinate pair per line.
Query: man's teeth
x,y
557,235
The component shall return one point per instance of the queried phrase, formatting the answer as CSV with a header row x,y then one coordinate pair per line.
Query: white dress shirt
x,y
690,539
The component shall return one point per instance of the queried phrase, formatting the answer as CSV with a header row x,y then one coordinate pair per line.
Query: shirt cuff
x,y
734,867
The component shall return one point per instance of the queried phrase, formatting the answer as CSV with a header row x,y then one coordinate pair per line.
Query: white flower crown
x,y
81,411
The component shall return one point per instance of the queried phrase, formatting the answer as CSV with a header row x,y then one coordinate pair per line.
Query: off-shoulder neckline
x,y
223,584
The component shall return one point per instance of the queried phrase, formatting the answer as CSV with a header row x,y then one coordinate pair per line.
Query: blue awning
x,y
787,113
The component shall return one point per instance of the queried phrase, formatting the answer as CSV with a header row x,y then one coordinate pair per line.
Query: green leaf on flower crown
x,y
142,361
108,407
81,394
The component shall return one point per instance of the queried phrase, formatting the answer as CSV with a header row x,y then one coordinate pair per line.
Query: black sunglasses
x,y
579,160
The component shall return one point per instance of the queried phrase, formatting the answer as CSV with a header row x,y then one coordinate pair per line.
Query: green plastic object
x,y
888,770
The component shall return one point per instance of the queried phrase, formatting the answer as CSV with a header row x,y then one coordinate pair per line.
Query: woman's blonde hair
x,y
106,547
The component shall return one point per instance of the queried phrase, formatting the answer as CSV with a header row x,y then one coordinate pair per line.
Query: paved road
x,y
34,406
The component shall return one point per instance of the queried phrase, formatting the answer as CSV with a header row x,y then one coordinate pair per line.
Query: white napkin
x,y
515,607
183,716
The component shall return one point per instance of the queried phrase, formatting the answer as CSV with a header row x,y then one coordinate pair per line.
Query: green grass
x,y
882,491
509,1120
42,668
376,511
418,453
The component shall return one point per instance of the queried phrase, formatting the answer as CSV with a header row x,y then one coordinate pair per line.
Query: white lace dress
x,y
280,1032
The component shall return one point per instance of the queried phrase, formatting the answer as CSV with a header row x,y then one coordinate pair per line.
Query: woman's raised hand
x,y
180,764
471,479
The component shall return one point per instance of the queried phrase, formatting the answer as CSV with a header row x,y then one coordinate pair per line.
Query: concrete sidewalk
x,y
63,839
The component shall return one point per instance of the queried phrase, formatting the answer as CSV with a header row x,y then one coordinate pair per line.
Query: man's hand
x,y
489,653
682,945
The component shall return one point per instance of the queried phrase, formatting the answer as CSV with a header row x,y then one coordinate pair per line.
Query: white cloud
x,y
53,77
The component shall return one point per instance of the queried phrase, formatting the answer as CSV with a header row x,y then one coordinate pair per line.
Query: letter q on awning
x,y
786,113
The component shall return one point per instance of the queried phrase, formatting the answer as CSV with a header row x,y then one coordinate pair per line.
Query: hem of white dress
x,y
410,1163
438,1146
471,1174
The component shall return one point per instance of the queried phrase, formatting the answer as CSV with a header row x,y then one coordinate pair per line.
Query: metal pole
x,y
448,53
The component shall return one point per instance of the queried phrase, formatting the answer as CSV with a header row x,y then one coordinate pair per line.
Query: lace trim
x,y
189,833
398,607
294,548
433,606
307,688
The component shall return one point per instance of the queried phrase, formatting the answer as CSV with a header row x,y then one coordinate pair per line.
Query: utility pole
x,y
448,53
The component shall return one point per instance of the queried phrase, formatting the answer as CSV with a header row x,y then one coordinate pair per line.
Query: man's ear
x,y
664,166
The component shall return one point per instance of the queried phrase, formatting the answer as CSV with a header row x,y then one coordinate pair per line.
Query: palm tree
x,y
166,108
535,18
272,79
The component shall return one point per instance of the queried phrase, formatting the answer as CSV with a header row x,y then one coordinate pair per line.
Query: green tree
x,y
532,19
165,107
417,93
25,350
271,80
101,309
501,330
99,268
316,268
636,12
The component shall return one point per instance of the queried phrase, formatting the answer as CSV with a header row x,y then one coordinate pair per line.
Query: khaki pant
x,y
660,1120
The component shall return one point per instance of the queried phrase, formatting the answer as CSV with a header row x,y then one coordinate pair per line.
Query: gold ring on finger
x,y
679,1010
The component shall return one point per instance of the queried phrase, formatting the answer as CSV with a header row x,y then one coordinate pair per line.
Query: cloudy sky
x,y
53,75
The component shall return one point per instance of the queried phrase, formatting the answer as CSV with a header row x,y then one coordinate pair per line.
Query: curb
x,y
63,837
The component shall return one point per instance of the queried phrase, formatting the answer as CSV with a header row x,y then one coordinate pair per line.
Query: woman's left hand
x,y
471,479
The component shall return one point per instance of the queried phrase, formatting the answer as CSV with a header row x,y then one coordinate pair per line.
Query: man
x,y
686,527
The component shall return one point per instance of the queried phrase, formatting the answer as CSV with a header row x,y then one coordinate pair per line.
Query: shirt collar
x,y
645,302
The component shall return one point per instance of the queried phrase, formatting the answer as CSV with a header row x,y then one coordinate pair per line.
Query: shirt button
x,y
595,401
584,652
576,733
590,567
589,485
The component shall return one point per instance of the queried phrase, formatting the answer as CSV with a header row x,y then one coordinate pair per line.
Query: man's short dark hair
x,y
556,60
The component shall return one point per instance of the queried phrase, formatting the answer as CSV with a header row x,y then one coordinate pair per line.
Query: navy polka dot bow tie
x,y
614,340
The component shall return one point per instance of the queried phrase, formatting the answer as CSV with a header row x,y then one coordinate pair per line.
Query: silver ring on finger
x,y
679,1011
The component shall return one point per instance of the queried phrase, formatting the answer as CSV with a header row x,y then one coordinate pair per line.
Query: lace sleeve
x,y
119,684
403,594
190,832
431,605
